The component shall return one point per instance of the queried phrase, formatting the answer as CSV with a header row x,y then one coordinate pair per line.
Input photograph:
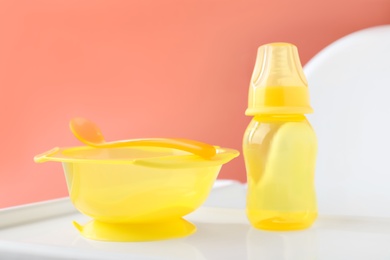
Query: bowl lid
x,y
143,156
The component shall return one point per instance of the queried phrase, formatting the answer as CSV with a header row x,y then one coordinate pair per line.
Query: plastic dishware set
x,y
139,190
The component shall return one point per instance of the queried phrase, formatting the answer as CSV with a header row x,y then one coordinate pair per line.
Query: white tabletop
x,y
223,233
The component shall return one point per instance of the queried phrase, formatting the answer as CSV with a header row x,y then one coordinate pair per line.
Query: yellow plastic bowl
x,y
137,193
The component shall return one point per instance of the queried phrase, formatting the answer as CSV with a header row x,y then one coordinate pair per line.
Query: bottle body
x,y
280,154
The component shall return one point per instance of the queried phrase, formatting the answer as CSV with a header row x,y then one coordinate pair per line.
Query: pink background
x,y
143,69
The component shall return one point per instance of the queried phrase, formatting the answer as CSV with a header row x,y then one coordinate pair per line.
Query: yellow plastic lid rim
x,y
223,155
278,110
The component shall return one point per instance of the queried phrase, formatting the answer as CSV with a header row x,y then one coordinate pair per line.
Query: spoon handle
x,y
192,146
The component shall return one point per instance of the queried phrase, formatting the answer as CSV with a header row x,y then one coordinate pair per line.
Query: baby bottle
x,y
279,144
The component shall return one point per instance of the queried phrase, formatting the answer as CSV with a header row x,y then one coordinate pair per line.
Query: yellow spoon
x,y
89,133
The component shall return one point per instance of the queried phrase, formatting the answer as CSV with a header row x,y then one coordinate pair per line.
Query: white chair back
x,y
349,84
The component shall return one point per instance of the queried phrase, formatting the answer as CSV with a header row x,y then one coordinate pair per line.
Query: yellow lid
x,y
278,85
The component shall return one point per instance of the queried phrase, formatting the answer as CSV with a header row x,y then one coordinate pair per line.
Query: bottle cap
x,y
278,85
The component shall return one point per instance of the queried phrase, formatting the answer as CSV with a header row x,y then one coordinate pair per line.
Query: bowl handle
x,y
43,157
